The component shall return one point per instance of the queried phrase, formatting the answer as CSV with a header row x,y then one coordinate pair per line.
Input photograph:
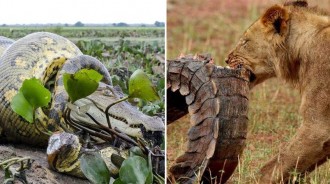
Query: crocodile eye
x,y
107,92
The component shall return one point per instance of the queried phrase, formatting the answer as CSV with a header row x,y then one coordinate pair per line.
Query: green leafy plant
x,y
94,168
81,84
131,55
28,99
30,96
135,169
139,87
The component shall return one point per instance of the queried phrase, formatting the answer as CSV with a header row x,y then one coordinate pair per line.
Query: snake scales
x,y
47,56
36,55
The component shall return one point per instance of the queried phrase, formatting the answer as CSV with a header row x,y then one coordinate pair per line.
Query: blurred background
x,y
214,26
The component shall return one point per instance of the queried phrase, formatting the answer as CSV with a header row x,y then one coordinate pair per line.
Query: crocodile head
x,y
123,116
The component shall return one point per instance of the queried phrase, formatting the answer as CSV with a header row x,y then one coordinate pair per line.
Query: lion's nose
x,y
228,58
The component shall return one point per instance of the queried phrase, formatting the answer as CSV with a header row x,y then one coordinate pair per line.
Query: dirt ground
x,y
39,172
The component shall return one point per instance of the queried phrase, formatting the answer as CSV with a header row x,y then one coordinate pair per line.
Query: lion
x,y
292,42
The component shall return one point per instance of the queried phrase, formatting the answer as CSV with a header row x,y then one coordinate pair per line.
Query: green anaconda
x,y
47,57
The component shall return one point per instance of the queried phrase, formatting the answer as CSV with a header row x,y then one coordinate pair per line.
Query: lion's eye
x,y
245,41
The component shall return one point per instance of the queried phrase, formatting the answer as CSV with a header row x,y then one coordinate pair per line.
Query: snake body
x,y
47,57
5,43
38,55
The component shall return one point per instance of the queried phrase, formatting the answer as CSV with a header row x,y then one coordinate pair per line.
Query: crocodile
x,y
47,56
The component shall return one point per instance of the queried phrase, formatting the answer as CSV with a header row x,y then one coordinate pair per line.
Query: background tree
x,y
79,24
159,24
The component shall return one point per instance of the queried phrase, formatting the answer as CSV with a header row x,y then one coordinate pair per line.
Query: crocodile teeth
x,y
134,126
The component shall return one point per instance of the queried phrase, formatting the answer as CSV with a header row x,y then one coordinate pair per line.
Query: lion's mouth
x,y
252,77
238,62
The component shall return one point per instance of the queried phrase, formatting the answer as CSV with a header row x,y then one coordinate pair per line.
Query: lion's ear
x,y
276,19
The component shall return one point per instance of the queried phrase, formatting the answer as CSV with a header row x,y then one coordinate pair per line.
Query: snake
x,y
5,43
47,56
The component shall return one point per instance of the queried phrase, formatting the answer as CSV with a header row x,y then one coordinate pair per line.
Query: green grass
x,y
107,35
81,32
114,40
214,27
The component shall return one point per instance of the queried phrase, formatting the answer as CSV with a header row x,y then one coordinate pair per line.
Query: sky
x,y
86,11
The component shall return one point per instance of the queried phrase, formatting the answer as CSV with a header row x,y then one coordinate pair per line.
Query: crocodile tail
x,y
216,99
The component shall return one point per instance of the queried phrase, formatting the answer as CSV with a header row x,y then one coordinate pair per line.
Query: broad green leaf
x,y
92,74
141,87
135,170
22,107
35,93
136,151
94,168
81,84
30,96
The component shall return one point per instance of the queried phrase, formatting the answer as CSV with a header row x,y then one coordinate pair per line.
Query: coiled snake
x,y
47,56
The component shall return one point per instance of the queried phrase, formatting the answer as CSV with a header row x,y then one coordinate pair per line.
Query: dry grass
x,y
214,26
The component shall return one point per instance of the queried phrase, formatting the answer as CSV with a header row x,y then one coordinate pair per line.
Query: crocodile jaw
x,y
123,116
